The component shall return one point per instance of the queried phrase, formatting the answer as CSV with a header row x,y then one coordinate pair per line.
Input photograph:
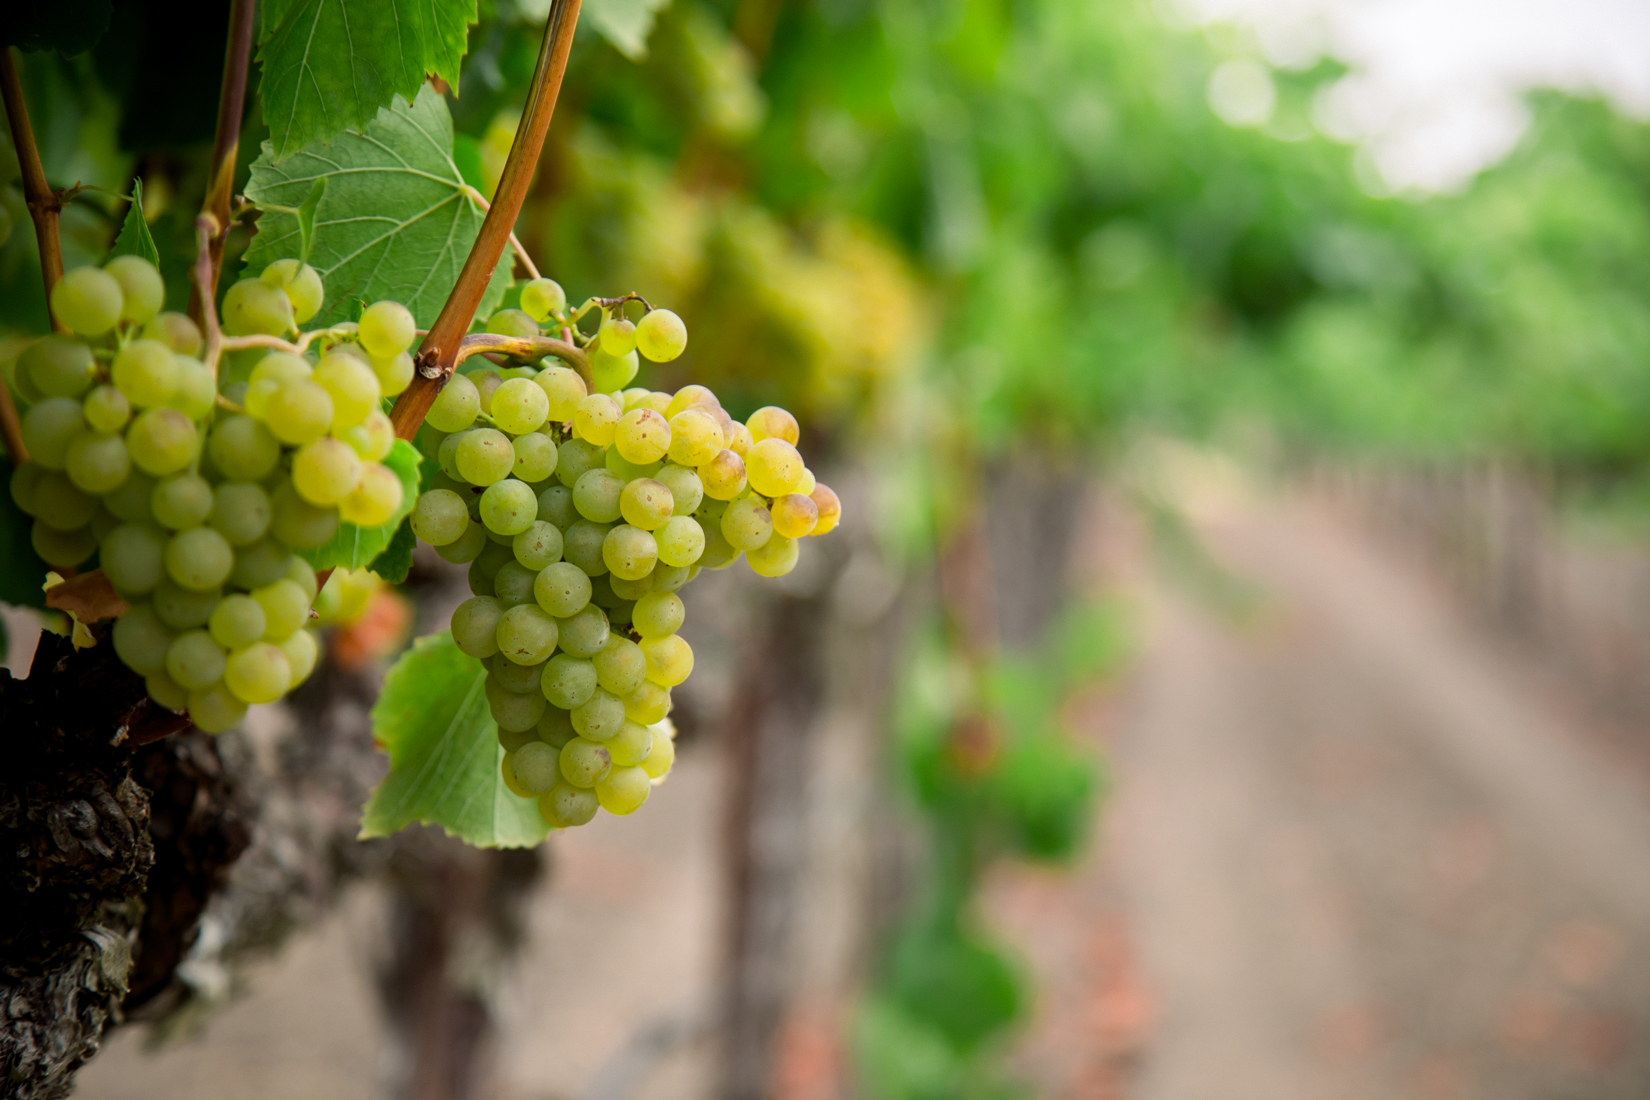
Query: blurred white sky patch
x,y
1434,91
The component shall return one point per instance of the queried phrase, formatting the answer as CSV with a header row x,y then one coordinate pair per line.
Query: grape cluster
x,y
194,503
581,515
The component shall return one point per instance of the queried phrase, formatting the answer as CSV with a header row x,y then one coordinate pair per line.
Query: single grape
x,y
623,790
49,427
692,396
659,614
242,448
176,331
738,437
774,558
507,765
616,334
466,547
181,501
575,458
695,437
535,457
487,381
631,745
642,436
440,517
455,407
584,763
301,284
806,485
252,307
723,477
215,709
830,510
541,298
166,691
512,322
87,301
669,659
556,507
670,578
536,768
620,666
386,329
162,441
106,409
142,290
394,374
509,507
493,557
133,558
565,806
141,640
513,584
584,633
681,541
598,717
794,515
373,438
773,422
567,681
194,660
298,523
564,388
520,406
647,704
353,388
562,589
196,393
581,544
298,412
596,496
526,635
516,713
237,621
301,651
661,335
199,559
376,498
59,366
747,523
660,758
259,673
129,502
97,462
301,573
60,505
555,728
484,456
646,504
610,373
774,467
596,419
538,546
629,552
475,626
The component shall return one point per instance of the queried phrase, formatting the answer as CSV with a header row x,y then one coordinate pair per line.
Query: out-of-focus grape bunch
x,y
582,514
194,499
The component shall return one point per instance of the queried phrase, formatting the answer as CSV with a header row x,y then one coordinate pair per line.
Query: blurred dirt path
x,y
1361,850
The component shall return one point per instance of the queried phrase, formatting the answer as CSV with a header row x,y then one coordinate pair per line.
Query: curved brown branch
x,y
225,148
439,354
524,347
44,205
203,297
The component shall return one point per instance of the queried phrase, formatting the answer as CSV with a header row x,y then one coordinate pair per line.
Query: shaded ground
x,y
1355,849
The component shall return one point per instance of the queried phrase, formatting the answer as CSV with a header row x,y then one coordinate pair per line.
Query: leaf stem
x,y
515,242
439,354
225,150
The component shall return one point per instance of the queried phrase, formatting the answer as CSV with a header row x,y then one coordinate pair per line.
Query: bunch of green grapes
x,y
195,502
581,515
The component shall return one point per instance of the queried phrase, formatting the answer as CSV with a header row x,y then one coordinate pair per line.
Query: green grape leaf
x,y
134,238
625,23
328,65
394,218
68,26
395,562
353,547
432,720
24,572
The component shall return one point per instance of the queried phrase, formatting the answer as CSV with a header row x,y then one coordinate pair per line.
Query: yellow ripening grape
x,y
580,516
198,501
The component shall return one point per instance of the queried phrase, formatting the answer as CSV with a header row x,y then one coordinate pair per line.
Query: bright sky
x,y
1434,90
